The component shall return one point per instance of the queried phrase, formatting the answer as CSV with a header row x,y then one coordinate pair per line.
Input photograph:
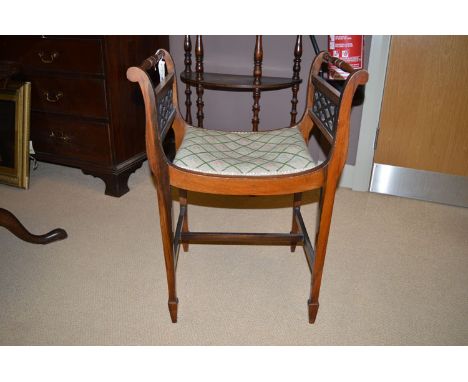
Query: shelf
x,y
234,82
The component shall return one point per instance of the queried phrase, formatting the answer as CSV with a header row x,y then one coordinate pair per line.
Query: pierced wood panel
x,y
165,104
166,111
325,110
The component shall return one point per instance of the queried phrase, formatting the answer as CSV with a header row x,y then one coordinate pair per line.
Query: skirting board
x,y
419,184
347,176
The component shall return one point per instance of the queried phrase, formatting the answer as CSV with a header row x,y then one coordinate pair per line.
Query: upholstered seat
x,y
274,152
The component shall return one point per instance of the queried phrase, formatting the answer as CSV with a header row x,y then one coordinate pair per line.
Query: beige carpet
x,y
396,271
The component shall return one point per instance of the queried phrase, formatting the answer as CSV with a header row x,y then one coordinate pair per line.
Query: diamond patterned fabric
x,y
266,153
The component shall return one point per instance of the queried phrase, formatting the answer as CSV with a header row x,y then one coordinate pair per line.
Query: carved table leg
x,y
11,223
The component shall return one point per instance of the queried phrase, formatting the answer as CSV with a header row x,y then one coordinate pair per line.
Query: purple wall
x,y
233,110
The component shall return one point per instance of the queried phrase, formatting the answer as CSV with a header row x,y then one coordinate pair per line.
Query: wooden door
x,y
424,115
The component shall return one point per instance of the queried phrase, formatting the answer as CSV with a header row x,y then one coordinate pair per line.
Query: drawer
x,y
56,54
71,138
75,96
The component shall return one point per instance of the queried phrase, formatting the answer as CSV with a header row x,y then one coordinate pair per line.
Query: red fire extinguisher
x,y
349,48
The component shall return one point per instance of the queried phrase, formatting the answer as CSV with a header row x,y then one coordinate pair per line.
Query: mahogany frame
x,y
325,176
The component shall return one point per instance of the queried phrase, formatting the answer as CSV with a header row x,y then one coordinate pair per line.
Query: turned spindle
x,y
295,77
258,57
199,72
188,70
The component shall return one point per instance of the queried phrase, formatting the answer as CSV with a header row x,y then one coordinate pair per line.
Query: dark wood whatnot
x,y
84,113
236,82
255,83
327,113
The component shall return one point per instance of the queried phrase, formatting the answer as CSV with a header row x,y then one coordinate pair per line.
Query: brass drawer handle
x,y
48,58
54,97
60,136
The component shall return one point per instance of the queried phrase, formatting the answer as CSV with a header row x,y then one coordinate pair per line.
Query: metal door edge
x,y
419,184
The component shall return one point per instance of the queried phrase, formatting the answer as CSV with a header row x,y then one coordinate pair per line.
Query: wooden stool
x,y
271,162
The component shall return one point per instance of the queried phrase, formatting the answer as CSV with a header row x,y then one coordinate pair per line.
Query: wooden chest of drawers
x,y
84,111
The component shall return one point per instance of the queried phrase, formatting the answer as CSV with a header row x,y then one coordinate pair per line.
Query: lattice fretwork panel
x,y
165,110
325,110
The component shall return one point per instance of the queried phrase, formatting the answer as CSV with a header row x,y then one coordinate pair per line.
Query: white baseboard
x,y
347,176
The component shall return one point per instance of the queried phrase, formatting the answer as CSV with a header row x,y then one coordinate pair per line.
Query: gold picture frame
x,y
15,107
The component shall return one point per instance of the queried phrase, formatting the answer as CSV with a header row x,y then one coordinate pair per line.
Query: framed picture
x,y
15,106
